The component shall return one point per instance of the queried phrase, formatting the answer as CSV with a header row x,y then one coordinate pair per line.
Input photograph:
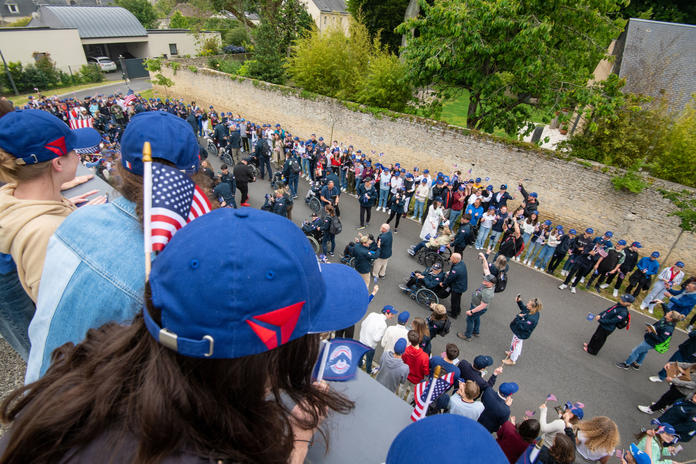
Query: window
x,y
13,8
173,50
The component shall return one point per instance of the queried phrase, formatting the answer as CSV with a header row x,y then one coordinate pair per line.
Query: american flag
x,y
130,98
80,123
176,201
425,394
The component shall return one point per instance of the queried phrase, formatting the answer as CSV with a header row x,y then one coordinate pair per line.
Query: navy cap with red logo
x,y
36,136
229,298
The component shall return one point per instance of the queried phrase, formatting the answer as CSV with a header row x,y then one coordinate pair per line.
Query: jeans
x,y
482,235
418,210
676,357
342,182
418,247
326,239
305,166
265,162
358,181
292,183
544,256
494,238
383,196
531,251
369,356
453,217
526,238
569,262
473,323
16,311
638,354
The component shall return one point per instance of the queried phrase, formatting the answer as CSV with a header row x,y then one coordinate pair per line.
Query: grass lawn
x,y
22,99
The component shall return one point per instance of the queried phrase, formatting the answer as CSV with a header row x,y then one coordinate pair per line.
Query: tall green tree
x,y
141,9
178,21
381,17
511,55
677,11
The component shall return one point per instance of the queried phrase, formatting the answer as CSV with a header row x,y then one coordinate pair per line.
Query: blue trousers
x,y
473,323
343,182
305,166
383,196
454,215
638,354
418,209
326,239
532,250
265,163
292,183
369,356
16,312
493,239
544,256
481,237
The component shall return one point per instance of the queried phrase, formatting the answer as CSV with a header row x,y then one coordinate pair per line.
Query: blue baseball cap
x,y
637,245
268,289
508,388
491,208
503,187
628,298
679,264
489,188
621,242
663,427
572,231
533,194
482,361
547,222
655,254
400,346
641,457
589,230
478,179
462,187
171,138
403,317
415,443
609,233
425,171
389,309
36,136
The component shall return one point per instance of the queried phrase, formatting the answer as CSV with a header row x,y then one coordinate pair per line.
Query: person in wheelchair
x,y
430,278
313,226
443,238
348,250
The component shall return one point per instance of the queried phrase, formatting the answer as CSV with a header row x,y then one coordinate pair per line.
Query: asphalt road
x,y
138,85
552,360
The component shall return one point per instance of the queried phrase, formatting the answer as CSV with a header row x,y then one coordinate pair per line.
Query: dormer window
x,y
14,9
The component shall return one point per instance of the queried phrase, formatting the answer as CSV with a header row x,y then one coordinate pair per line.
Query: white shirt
x,y
462,408
372,329
487,220
397,183
392,334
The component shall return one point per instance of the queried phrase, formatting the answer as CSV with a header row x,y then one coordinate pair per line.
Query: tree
x,y
381,17
164,7
678,163
142,10
678,11
511,55
178,21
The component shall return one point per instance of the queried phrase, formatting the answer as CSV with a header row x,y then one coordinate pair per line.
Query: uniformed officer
x,y
458,282
608,320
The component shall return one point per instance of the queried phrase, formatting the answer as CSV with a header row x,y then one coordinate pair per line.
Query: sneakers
x,y
635,366
688,329
650,310
654,378
361,228
603,286
615,294
404,288
396,231
564,273
411,252
582,280
622,365
562,287
598,289
572,290
374,371
645,409
245,204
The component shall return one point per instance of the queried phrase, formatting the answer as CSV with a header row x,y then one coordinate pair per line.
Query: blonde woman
x,y
424,335
596,439
522,327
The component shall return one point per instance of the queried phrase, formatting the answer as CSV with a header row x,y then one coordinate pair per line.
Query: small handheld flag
x,y
339,360
529,413
590,316
551,397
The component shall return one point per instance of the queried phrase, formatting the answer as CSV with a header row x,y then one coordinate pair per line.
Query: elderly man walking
x,y
385,239
480,300
457,280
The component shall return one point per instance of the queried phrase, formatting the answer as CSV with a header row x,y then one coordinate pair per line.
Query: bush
x,y
630,181
386,84
153,64
210,47
91,73
43,76
678,162
235,36
178,21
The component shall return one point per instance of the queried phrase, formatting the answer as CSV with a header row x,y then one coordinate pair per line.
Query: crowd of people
x,y
106,351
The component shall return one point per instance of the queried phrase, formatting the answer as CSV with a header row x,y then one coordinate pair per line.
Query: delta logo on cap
x,y
283,319
57,146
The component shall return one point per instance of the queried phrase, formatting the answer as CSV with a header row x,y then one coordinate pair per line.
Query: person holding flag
x,y
94,265
231,383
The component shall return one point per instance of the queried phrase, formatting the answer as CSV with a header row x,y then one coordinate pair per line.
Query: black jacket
x,y
457,278
681,416
235,139
612,316
630,261
242,173
463,236
663,330
688,347
363,258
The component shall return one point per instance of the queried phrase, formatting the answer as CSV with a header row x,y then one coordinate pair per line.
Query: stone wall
x,y
575,195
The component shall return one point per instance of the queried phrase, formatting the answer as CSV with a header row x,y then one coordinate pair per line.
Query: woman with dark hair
x,y
561,452
180,385
514,439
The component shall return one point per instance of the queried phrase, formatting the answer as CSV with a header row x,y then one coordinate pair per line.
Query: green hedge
x,y
44,76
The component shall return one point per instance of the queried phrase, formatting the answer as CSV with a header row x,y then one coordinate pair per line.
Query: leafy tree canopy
x,y
678,11
141,9
509,54
381,17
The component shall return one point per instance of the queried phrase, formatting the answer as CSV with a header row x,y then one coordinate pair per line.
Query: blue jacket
x,y
463,236
612,316
503,199
363,258
431,280
330,194
682,302
364,192
385,239
469,373
681,417
475,213
663,330
457,278
496,412
93,274
523,326
652,265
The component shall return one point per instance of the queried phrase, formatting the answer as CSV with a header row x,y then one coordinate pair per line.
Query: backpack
x,y
335,227
663,347
445,328
624,323
295,166
501,282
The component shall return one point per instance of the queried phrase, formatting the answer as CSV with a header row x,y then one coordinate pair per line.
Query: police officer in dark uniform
x,y
608,320
221,134
243,175
458,282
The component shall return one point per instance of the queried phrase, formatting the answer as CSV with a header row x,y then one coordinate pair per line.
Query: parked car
x,y
105,63
234,49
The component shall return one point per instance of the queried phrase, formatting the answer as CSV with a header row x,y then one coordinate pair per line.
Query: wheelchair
x,y
423,295
429,256
312,199
314,236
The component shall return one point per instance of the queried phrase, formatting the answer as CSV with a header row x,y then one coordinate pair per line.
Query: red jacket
x,y
511,442
418,362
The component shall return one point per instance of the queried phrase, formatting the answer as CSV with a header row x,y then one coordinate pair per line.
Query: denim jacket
x,y
94,274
